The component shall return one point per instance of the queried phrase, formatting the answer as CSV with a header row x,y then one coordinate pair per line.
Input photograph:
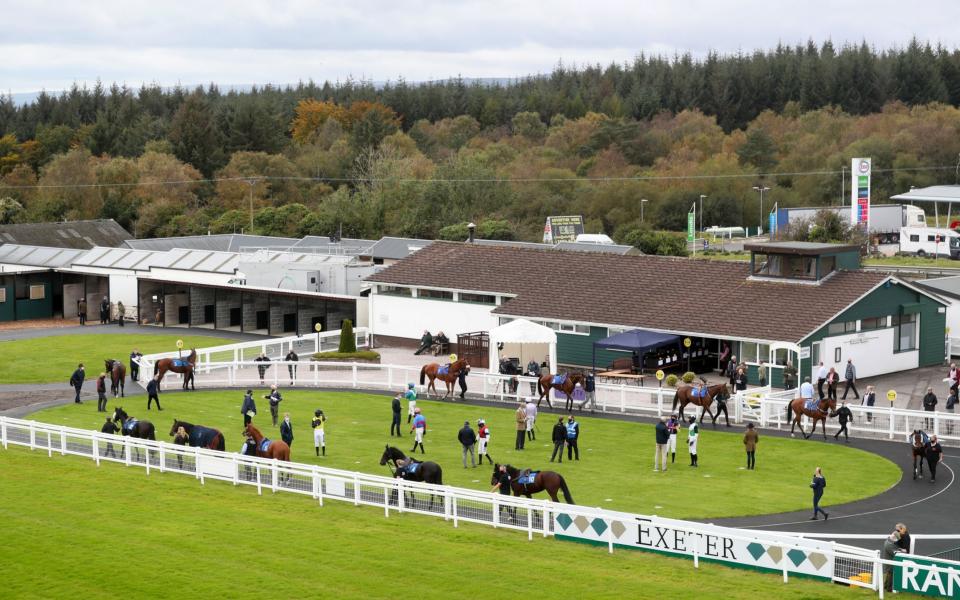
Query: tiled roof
x,y
650,292
71,234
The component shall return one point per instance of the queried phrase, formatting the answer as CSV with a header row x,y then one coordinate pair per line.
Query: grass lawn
x,y
74,530
615,470
47,359
911,261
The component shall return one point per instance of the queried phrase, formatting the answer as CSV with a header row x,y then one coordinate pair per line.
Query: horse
x,y
570,381
918,447
266,448
549,481
411,470
796,409
143,430
198,435
432,371
185,366
687,395
118,372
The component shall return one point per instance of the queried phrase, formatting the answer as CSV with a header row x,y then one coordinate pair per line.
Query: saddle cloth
x,y
180,363
443,370
265,445
412,468
812,405
558,379
202,436
698,393
129,425
527,479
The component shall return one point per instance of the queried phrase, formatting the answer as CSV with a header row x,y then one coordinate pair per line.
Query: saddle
x,y
181,363
444,370
698,392
202,436
812,405
528,478
558,379
129,425
410,468
264,445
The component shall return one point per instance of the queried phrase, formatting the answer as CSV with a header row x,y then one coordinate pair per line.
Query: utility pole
x,y
702,196
642,202
761,189
251,182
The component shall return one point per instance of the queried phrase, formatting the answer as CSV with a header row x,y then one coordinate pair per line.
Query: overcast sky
x,y
51,44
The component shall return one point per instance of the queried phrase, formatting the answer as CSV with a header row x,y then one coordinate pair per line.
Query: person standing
x,y
891,548
573,434
740,379
750,439
533,370
843,415
850,379
833,378
426,340
102,393
262,367
286,430
248,409
662,436
821,379
135,357
274,398
82,311
731,372
319,436
693,436
869,399
559,437
789,376
934,454
76,380
503,486
104,311
121,309
929,405
953,377
292,369
109,428
818,484
153,392
483,438
420,429
762,373
411,397
521,419
468,440
531,419
722,398
590,390
952,400
462,381
673,429
395,409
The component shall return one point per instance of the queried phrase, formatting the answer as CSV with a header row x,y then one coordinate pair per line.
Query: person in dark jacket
x,y
110,428
740,379
292,369
573,434
559,437
249,408
102,393
395,423
76,380
817,485
262,367
869,399
590,389
462,380
121,310
850,377
891,547
468,440
663,437
104,311
82,311
286,430
843,415
731,372
929,405
134,365
153,392
275,399
426,340
934,453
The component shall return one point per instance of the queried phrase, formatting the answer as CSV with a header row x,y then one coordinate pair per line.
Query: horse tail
x,y
676,398
565,490
221,443
156,367
789,411
423,374
539,387
151,433
439,480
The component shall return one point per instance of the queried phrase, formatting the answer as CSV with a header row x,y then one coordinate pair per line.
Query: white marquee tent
x,y
524,340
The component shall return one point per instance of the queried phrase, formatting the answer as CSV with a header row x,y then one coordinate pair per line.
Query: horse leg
x,y
824,423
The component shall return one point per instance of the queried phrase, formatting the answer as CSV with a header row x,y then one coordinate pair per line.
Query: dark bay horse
x,y
118,372
918,446
143,430
198,436
688,395
549,481
409,469
184,366
545,384
432,371
826,407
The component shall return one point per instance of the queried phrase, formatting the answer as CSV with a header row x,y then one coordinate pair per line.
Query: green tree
x,y
11,211
529,125
195,136
348,342
759,150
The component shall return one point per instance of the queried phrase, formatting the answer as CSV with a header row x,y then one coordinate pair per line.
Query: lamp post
x,y
251,182
642,202
761,189
702,196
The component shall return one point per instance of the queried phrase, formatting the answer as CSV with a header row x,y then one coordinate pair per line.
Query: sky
x,y
53,44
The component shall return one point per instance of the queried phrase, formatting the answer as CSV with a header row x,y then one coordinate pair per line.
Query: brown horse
x,y
688,395
432,371
185,366
268,448
545,384
826,407
549,481
118,372
918,446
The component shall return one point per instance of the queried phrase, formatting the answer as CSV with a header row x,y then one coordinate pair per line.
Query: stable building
x,y
796,302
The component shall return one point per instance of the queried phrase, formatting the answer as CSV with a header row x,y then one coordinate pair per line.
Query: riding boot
x,y
324,450
318,450
673,458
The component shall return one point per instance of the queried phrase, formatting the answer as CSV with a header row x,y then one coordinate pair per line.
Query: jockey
x,y
673,426
411,396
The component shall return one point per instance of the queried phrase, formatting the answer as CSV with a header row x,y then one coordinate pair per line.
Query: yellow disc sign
x,y
660,375
892,395
687,342
179,344
317,327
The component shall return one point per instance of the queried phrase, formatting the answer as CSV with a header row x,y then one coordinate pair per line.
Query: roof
x,y
659,293
637,339
522,331
39,256
949,286
394,248
588,247
802,248
935,193
226,242
71,234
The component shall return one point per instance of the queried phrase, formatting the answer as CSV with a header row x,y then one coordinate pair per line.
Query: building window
x,y
477,298
393,290
841,328
38,292
615,330
748,351
505,320
904,333
434,294
873,323
571,328
3,295
914,237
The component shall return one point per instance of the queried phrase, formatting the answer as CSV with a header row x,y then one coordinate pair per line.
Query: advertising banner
x,y
691,226
915,575
860,192
562,229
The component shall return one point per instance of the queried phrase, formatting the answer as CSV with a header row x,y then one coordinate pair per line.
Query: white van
x,y
930,241
594,238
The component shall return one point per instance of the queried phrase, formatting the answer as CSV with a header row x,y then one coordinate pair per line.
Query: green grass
x,y
42,360
911,261
615,470
73,530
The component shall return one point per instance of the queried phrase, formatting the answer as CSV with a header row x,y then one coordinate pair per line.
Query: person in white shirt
x,y
531,419
806,390
821,378
693,434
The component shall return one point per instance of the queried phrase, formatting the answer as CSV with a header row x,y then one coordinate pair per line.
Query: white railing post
x,y
49,444
453,510
738,411
256,466
63,442
163,458
274,473
891,427
386,501
3,431
659,401
390,376
33,436
96,449
623,398
356,491
353,370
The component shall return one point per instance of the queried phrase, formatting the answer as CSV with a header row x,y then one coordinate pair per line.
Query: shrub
x,y
672,380
348,342
362,354
689,376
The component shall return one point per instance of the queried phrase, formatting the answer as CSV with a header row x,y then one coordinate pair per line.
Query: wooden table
x,y
622,376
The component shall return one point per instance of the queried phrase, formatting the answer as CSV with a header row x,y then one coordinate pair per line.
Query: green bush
x,y
689,376
348,342
672,380
663,243
362,354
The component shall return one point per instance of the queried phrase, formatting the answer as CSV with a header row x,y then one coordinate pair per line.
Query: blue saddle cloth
x,y
527,479
265,445
443,370
412,468
559,379
202,436
699,393
129,425
180,363
812,405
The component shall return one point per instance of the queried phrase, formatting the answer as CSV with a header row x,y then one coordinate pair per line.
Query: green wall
x,y
6,308
578,349
37,309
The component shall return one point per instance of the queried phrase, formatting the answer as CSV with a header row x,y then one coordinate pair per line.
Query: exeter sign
x,y
915,575
761,551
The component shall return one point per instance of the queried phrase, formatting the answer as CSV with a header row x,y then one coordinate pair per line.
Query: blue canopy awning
x,y
637,340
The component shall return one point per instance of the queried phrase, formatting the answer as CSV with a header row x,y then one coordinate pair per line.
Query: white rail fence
x,y
781,553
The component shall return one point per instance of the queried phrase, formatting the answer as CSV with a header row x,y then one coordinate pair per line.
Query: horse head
x,y
176,425
118,414
832,406
254,432
385,456
108,364
496,474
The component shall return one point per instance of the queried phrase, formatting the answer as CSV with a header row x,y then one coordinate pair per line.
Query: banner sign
x,y
914,575
773,224
860,192
562,229
710,542
691,226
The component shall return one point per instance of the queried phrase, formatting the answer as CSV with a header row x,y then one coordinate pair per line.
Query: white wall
x,y
953,317
123,288
408,317
190,276
871,351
